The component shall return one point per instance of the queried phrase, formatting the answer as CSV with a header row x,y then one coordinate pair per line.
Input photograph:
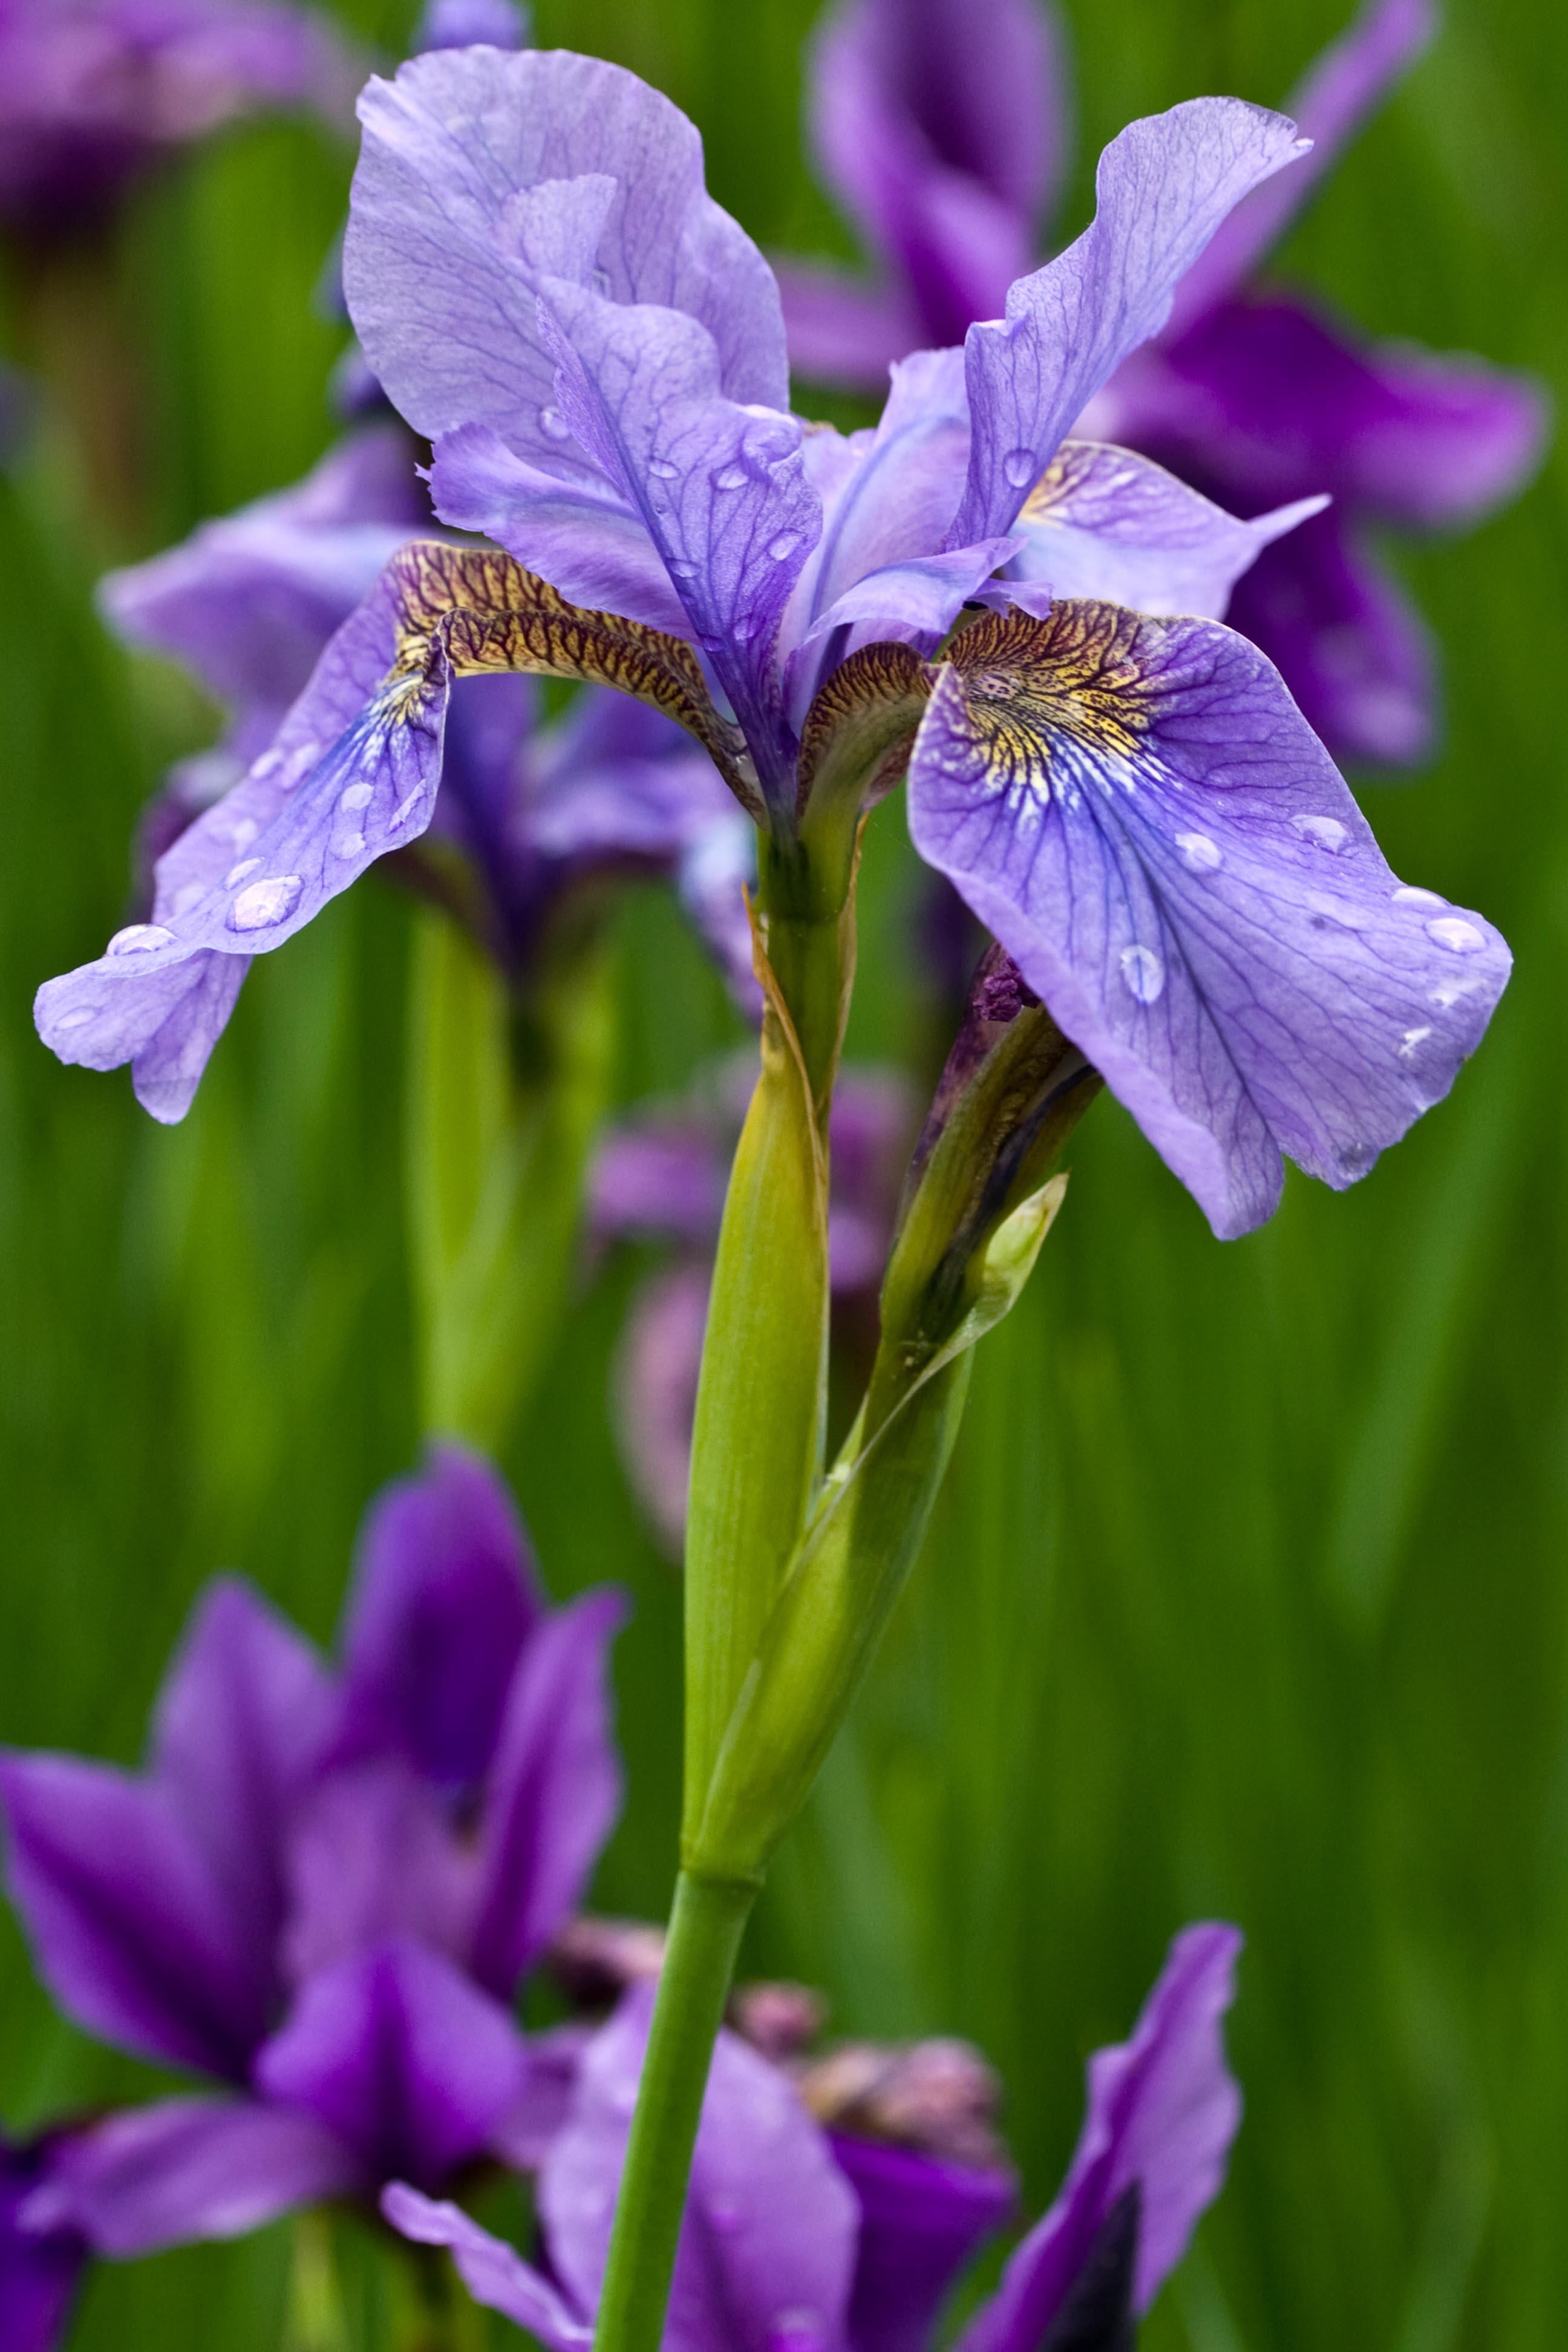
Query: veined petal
x,y
241,1723
445,1595
402,2058
437,262
1138,811
719,486
353,774
769,2232
921,2220
554,1792
1330,105
1162,2112
1163,185
494,2274
1104,523
127,1926
187,2169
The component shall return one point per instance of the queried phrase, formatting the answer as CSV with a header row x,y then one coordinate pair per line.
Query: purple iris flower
x,y
661,1178
1123,794
95,93
528,815
38,2270
324,1889
799,2241
940,126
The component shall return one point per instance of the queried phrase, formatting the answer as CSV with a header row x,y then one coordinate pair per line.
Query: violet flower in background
x,y
840,2242
322,1891
940,125
1125,794
529,817
94,94
38,2270
661,1178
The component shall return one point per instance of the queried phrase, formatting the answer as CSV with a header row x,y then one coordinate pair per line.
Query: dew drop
x,y
1326,830
731,477
406,808
781,548
1020,467
244,832
1198,852
350,845
553,425
188,895
1408,896
300,761
266,903
1452,931
1143,973
76,1020
136,939
236,874
357,796
268,761
1412,1040
683,572
1355,1159
662,468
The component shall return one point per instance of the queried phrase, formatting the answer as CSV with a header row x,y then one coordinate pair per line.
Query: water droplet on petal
x,y
662,468
1198,852
266,764
683,572
1143,973
1408,896
1355,1159
781,548
357,796
406,808
553,425
1020,467
188,895
1452,931
1448,992
1412,1039
731,477
136,939
1326,830
79,1019
236,874
266,903
350,845
244,832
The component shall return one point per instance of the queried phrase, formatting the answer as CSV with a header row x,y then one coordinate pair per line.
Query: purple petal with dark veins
x,y
247,603
719,486
186,2169
353,774
1153,833
39,2270
445,1597
374,1854
1162,2112
444,300
1329,104
767,2246
400,2056
1353,650
583,536
921,2220
494,2274
554,1792
1163,185
241,1724
1104,523
129,1929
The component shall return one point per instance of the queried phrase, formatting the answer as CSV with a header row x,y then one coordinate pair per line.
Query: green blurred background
x,y
1247,1594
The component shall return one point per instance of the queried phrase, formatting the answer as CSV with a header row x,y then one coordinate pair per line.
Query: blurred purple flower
x,y
661,1178
94,93
38,2270
939,124
1133,805
528,816
325,1886
796,2241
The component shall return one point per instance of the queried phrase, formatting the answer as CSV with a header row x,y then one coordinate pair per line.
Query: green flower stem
x,y
705,1930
